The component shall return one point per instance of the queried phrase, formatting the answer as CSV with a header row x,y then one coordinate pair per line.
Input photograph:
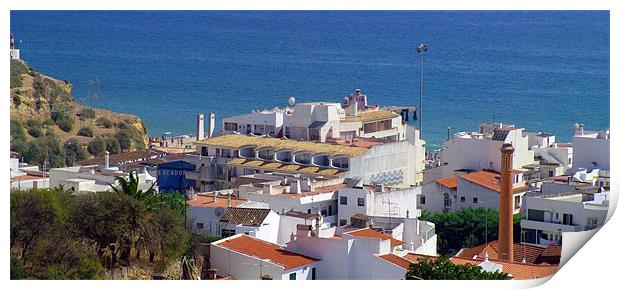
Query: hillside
x,y
48,124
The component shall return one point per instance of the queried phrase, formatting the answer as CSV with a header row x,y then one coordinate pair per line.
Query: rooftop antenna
x,y
390,203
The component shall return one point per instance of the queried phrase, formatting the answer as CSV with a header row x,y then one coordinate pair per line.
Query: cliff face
x,y
46,103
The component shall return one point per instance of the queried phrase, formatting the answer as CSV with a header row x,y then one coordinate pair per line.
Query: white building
x,y
398,163
87,179
296,194
24,176
376,200
358,254
591,149
552,158
548,215
261,223
204,211
321,121
247,258
475,151
475,189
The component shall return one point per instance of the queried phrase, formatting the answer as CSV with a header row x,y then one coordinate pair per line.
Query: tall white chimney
x,y
295,186
200,127
211,124
107,160
409,233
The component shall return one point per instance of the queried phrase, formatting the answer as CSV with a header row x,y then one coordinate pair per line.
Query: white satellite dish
x,y
291,101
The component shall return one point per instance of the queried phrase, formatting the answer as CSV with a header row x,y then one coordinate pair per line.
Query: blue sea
x,y
540,70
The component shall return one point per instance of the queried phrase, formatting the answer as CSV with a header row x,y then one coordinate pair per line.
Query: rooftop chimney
x,y
317,226
200,127
107,160
505,204
295,186
211,124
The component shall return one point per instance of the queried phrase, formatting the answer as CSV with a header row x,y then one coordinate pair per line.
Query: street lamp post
x,y
421,50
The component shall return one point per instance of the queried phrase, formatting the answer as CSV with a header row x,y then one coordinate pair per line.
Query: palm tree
x,y
141,205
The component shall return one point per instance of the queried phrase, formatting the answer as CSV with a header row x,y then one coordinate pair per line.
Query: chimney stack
x,y
317,226
107,160
211,124
200,127
505,205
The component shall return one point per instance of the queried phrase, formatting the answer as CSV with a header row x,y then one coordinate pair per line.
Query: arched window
x,y
447,201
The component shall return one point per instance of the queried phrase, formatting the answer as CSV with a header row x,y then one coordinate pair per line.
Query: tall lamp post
x,y
422,49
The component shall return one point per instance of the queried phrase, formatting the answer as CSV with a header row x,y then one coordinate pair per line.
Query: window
x,y
343,200
309,211
475,200
517,201
462,199
517,178
329,210
204,151
230,126
228,233
447,202
422,199
550,173
567,219
324,212
200,226
342,222
536,215
360,201
313,273
292,276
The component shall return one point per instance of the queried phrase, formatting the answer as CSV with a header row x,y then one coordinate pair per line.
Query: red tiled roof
x,y
449,182
370,233
487,179
533,254
414,258
204,200
264,250
26,177
518,271
396,260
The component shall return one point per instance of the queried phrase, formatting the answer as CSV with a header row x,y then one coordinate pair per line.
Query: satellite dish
x,y
291,101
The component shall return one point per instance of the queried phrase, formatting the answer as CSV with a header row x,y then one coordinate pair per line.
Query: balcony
x,y
549,226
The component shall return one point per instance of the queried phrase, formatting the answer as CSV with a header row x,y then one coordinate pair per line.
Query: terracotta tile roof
x,y
518,271
27,177
370,233
243,180
449,182
208,200
245,216
533,254
398,261
488,179
138,155
414,258
264,250
286,168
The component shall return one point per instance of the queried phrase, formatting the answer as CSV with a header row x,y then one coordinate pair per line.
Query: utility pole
x,y
421,50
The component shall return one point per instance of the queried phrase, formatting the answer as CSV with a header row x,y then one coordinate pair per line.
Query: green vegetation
x,y
443,269
87,113
17,100
58,235
104,122
34,128
86,132
112,145
97,147
75,151
465,228
18,68
128,135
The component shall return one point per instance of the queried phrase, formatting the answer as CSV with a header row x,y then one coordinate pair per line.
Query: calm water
x,y
540,70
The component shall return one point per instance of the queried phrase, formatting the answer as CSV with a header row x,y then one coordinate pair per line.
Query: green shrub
x,y
97,147
87,113
17,100
112,145
20,146
17,268
48,122
17,130
18,68
86,132
45,148
65,124
32,123
35,132
74,151
104,122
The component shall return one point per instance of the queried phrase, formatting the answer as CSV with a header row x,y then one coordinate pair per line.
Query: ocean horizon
x,y
541,70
